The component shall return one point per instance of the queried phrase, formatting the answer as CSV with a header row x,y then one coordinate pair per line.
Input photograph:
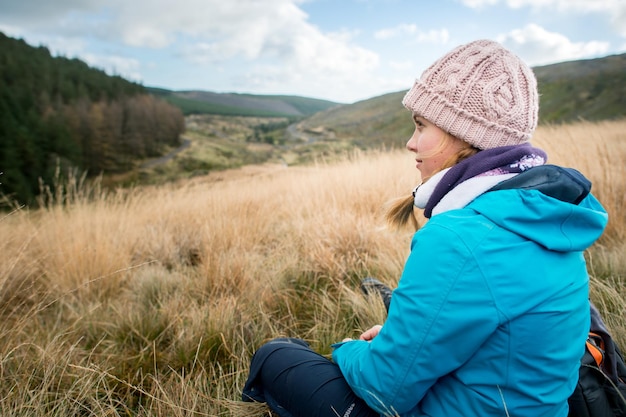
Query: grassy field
x,y
151,301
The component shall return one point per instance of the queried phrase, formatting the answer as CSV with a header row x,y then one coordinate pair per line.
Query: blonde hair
x,y
400,211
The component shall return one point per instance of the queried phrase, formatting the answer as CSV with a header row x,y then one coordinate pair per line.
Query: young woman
x,y
491,311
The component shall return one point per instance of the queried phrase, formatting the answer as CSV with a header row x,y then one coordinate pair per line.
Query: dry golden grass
x,y
151,301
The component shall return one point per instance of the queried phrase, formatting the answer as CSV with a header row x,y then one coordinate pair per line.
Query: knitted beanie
x,y
480,93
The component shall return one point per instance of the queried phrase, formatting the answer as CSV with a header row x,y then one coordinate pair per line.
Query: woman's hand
x,y
367,335
370,334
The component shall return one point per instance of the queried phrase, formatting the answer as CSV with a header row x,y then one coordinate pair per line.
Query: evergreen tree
x,y
59,110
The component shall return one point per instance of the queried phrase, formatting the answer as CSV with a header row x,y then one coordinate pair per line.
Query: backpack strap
x,y
595,346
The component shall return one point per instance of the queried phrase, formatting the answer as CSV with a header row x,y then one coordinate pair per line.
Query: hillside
x,y
232,104
593,89
365,124
59,115
589,89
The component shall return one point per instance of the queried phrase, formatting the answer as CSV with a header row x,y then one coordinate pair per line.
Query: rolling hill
x,y
592,90
232,104
589,89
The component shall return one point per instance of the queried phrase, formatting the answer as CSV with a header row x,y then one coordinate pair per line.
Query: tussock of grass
x,y
151,301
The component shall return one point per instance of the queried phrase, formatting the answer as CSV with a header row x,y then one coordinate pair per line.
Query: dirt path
x,y
168,157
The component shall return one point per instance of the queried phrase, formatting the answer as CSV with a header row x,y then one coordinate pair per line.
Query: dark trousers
x,y
296,381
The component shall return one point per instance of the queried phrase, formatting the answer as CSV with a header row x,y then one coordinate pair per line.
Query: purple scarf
x,y
495,161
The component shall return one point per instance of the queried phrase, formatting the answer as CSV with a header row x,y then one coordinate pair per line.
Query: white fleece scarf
x,y
461,195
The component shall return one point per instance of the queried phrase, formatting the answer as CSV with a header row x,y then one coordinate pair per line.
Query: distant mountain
x,y
231,104
592,89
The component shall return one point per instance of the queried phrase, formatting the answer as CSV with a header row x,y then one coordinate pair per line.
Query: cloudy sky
x,y
340,50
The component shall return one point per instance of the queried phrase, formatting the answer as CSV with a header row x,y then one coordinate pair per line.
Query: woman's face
x,y
431,147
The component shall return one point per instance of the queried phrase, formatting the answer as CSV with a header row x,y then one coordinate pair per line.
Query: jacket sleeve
x,y
440,314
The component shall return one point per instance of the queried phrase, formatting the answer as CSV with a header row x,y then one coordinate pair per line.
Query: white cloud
x,y
618,18
579,6
35,13
537,46
288,49
247,28
128,68
274,34
402,65
412,32
389,33
11,30
316,63
246,24
476,4
615,10
273,46
561,5
434,36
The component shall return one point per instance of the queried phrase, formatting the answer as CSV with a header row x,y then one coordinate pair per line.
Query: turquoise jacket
x,y
490,314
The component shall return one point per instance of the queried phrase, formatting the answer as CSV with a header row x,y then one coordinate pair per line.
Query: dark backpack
x,y
601,388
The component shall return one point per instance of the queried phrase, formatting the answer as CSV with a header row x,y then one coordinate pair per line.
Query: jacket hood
x,y
551,206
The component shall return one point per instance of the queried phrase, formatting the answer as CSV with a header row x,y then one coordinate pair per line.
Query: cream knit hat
x,y
479,92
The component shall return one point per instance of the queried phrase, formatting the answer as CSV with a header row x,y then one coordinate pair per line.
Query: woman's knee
x,y
270,347
269,363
